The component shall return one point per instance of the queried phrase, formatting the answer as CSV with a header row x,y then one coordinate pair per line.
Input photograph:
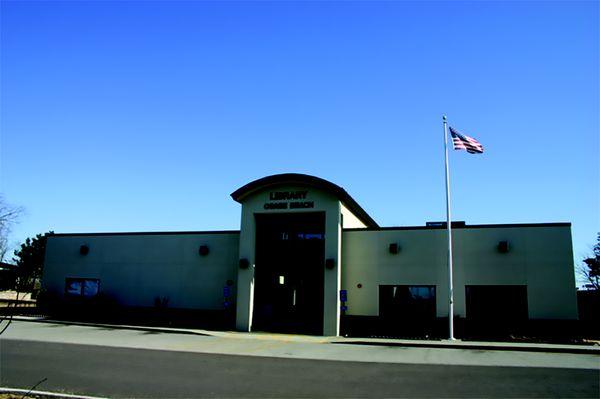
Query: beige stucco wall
x,y
134,269
350,221
323,202
540,257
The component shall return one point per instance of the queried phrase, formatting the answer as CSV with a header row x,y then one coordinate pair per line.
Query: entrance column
x,y
333,277
245,283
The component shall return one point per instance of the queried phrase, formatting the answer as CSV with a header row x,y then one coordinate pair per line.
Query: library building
x,y
308,259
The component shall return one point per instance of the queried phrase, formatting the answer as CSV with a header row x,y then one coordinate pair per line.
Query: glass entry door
x,y
288,292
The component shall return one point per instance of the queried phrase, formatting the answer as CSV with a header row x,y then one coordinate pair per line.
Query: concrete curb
x,y
27,392
470,345
391,342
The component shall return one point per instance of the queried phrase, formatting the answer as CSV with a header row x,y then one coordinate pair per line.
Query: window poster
x,y
90,287
74,287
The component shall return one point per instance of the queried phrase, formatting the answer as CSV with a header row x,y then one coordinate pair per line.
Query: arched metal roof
x,y
305,180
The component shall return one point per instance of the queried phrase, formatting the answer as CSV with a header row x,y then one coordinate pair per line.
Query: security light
x,y
203,250
503,247
330,263
394,248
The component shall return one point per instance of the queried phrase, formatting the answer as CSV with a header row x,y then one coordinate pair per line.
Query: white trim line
x,y
46,393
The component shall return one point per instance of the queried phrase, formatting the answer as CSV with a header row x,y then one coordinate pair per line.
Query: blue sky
x,y
133,116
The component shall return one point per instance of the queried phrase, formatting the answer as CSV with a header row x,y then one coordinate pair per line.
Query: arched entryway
x,y
277,262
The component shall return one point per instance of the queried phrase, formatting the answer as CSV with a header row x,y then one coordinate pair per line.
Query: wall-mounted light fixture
x,y
203,251
329,263
84,249
503,247
244,264
394,248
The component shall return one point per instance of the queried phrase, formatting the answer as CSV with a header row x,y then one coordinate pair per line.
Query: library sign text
x,y
288,200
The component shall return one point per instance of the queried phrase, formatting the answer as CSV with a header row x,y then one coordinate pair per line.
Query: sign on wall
x,y
288,200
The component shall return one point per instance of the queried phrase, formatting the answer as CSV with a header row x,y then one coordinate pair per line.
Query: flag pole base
x,y
451,340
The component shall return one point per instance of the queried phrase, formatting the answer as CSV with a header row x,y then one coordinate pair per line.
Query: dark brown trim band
x,y
145,233
471,226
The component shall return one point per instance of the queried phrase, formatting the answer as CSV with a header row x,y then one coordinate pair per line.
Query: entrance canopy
x,y
299,179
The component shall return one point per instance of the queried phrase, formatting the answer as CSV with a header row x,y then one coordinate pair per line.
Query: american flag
x,y
464,142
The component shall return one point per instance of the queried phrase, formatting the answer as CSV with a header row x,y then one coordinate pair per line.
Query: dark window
x,y
496,302
87,287
407,301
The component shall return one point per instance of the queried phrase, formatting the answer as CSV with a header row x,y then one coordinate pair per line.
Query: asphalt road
x,y
120,372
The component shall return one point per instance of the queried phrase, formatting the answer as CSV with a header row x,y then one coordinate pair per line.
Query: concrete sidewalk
x,y
384,342
289,346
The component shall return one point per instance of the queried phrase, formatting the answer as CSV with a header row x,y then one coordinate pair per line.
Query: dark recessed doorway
x,y
288,291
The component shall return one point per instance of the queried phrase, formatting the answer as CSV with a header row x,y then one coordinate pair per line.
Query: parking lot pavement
x,y
119,372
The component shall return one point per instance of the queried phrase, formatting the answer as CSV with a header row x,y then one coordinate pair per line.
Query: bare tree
x,y
9,215
589,270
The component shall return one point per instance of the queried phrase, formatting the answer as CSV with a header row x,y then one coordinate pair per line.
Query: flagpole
x,y
449,229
